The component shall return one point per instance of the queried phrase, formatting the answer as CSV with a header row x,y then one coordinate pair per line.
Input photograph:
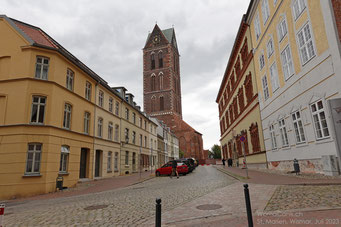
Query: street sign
x,y
242,138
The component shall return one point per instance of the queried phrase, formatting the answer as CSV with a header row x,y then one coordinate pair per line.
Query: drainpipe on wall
x,y
94,134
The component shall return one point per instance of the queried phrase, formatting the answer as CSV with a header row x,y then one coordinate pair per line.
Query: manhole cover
x,y
95,207
209,207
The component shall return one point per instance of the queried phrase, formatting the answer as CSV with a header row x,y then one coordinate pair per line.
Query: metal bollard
x,y
158,213
248,205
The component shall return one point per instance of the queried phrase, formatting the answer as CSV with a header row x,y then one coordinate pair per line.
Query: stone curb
x,y
235,176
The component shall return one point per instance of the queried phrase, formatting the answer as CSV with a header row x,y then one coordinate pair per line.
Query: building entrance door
x,y
98,163
83,163
134,162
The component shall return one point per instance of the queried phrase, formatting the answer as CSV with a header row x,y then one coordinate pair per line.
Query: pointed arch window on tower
x,y
153,104
152,60
162,107
161,81
160,60
152,83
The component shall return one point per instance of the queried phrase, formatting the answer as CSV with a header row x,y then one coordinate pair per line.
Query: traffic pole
x,y
2,212
158,213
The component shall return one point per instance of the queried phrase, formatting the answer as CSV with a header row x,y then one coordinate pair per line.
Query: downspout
x,y
94,127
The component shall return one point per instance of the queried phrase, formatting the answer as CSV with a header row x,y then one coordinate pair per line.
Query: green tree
x,y
181,154
215,152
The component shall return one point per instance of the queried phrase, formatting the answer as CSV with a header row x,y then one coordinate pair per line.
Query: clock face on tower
x,y
156,39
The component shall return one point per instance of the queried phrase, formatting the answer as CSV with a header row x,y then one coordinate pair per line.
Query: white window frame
x,y
298,7
265,11
270,47
261,61
100,98
283,132
110,130
110,104
306,44
42,68
117,108
319,116
287,63
109,161
88,90
86,122
100,127
64,159
33,149
273,136
265,87
39,105
274,77
67,116
282,29
257,26
70,75
298,127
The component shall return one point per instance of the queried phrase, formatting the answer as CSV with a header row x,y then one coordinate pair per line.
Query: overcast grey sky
x,y
108,36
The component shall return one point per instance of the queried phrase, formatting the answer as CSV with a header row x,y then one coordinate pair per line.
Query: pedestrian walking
x,y
223,160
174,169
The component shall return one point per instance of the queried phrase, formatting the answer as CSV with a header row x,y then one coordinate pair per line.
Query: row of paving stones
x,y
131,206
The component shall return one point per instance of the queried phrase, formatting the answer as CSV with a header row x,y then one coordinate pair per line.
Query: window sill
x,y
109,171
116,171
286,148
324,140
63,173
301,145
127,166
32,175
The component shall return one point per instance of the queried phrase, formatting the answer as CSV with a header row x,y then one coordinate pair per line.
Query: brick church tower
x,y
162,89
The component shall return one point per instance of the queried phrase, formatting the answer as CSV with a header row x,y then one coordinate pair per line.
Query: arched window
x,y
160,60
153,104
152,83
152,60
161,81
161,103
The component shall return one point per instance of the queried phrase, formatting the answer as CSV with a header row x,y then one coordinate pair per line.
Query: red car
x,y
166,169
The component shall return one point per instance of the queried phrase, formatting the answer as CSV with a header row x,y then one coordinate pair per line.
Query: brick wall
x,y
337,12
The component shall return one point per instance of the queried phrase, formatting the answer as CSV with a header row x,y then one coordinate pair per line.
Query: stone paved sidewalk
x,y
260,177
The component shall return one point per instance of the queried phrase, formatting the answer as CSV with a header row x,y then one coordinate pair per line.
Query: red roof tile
x,y
35,34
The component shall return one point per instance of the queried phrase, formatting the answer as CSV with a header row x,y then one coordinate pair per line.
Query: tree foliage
x,y
215,152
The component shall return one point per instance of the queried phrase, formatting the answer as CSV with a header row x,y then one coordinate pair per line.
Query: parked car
x,y
189,162
166,169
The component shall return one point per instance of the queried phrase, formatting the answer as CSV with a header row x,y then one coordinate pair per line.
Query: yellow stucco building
x,y
59,118
239,114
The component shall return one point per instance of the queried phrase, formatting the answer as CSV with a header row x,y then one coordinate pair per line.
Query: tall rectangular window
x,y
109,168
305,42
287,64
67,116
134,118
38,109
140,122
110,130
298,126
86,122
134,137
152,60
64,159
88,90
265,10
117,108
100,127
160,60
282,29
265,87
270,47
257,26
141,140
127,114
145,141
274,77
127,158
116,132
126,135
110,104
298,8
33,158
273,136
69,79
261,61
284,134
320,121
100,98
116,162
42,67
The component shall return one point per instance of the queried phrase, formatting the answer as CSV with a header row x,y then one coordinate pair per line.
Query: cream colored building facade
x,y
297,64
58,118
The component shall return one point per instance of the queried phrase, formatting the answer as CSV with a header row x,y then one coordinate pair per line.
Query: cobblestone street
x,y
301,197
121,207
